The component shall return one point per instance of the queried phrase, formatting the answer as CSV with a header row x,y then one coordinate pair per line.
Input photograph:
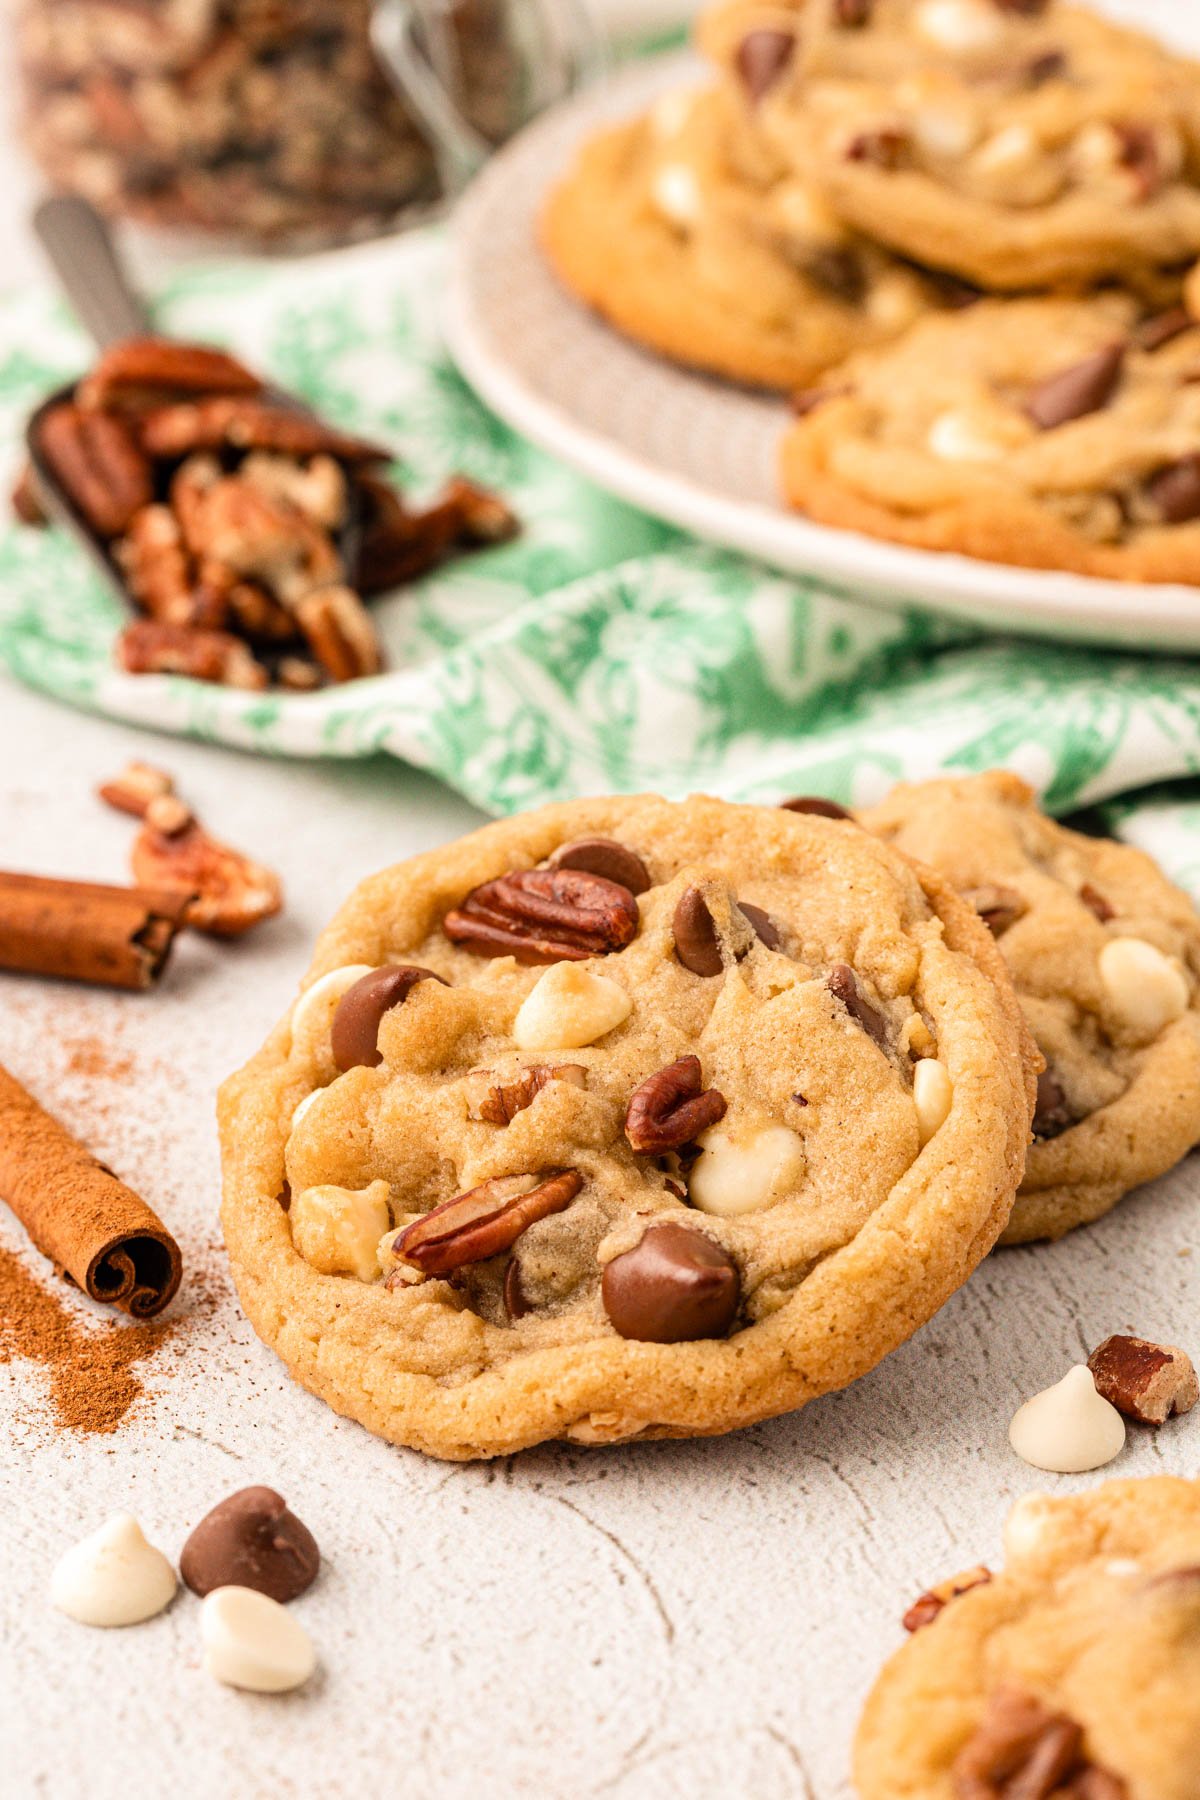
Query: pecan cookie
x,y
1046,432
1072,1675
685,231
624,1119
1105,955
1018,143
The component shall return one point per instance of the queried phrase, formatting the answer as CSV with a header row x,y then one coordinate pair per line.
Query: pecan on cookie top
x,y
1016,143
1074,1674
1051,433
608,1121
1104,952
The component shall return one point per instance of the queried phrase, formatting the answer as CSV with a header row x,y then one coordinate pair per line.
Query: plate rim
x,y
1050,603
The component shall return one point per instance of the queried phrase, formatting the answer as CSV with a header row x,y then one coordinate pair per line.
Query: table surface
x,y
672,1619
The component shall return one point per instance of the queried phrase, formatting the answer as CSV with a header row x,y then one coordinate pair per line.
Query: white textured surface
x,y
696,1620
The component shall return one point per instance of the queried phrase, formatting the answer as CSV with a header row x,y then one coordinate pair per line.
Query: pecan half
x,y
842,983
503,1100
672,1108
340,633
143,372
935,1600
398,545
1021,1748
248,424
98,462
1145,1381
545,915
998,907
231,892
485,1221
148,647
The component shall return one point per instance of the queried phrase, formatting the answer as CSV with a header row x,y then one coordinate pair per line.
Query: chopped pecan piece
x,y
148,647
26,501
144,372
1147,1382
318,488
485,1221
257,614
231,892
503,1100
1023,1751
99,464
672,1108
298,675
887,148
162,578
340,634
998,907
229,521
399,545
926,1609
482,516
1096,903
545,915
249,424
135,787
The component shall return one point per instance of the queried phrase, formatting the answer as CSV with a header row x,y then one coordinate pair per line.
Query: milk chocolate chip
x,y
817,804
762,58
1174,492
843,985
1073,393
1052,1116
355,1033
764,926
251,1540
696,942
675,1286
604,856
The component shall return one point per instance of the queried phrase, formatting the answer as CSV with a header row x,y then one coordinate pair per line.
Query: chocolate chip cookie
x,y
1105,955
624,1119
685,230
1072,1675
1018,143
1052,433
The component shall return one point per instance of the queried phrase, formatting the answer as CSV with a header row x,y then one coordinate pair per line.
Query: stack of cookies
x,y
961,232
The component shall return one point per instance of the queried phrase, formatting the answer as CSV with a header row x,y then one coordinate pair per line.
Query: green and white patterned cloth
x,y
602,650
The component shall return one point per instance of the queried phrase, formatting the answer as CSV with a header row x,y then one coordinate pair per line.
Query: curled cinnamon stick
x,y
94,1229
82,931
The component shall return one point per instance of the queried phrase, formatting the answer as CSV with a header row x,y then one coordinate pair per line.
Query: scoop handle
x,y
80,247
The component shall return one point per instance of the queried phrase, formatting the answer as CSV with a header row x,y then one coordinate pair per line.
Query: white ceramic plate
x,y
700,453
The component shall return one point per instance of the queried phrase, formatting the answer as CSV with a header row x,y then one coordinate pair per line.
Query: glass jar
x,y
267,121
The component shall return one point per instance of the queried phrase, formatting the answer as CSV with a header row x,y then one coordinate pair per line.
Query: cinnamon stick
x,y
94,1229
83,931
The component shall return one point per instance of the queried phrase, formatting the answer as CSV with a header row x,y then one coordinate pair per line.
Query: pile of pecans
x,y
245,530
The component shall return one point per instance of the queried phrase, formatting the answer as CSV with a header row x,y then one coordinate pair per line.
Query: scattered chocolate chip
x,y
1052,1115
354,1037
762,57
251,1540
1028,9
887,148
839,270
998,907
951,291
1174,492
1049,66
677,1285
1096,903
604,856
1073,393
1164,328
852,14
696,943
284,1196
515,1303
843,985
673,1187
816,804
762,924
799,1100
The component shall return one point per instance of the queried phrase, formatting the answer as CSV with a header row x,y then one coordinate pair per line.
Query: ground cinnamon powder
x,y
91,1368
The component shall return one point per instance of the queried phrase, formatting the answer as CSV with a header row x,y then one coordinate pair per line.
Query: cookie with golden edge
x,y
1074,1674
1104,953
684,232
1050,433
1017,143
624,1119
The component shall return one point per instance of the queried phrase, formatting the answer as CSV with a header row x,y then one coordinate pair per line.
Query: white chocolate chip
x,y
943,131
337,1230
799,210
671,112
113,1576
933,1095
252,1642
744,1172
312,1015
1145,989
676,194
963,27
1012,167
1070,1428
959,436
303,1106
893,300
570,1007
1026,1531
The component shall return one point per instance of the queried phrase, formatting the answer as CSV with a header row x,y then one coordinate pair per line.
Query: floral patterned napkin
x,y
602,650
